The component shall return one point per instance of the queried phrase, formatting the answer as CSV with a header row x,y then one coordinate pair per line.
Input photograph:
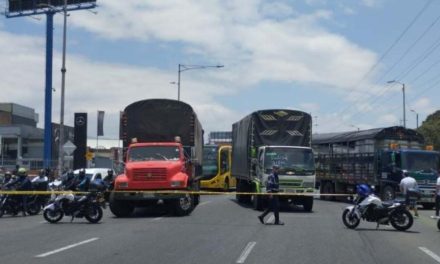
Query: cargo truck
x,y
379,157
279,137
163,144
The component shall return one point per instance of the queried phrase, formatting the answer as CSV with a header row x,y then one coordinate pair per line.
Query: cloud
x,y
257,41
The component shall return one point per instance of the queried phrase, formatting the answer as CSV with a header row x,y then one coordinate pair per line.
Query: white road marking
x,y
43,222
157,219
66,247
203,203
247,250
430,253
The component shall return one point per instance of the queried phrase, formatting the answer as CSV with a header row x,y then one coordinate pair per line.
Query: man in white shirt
x,y
407,185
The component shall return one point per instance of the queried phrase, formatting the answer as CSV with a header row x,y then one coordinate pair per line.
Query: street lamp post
x,y
63,86
417,117
183,67
404,103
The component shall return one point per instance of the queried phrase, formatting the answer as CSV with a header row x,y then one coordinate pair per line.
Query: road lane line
x,y
430,253
247,250
66,247
203,203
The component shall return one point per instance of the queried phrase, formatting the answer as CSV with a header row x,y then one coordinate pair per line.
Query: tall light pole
x,y
63,86
404,103
417,117
183,67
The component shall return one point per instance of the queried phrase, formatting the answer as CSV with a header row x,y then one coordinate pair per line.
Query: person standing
x,y
437,196
409,188
274,204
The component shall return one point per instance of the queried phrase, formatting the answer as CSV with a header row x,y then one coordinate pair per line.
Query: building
x,y
220,137
21,141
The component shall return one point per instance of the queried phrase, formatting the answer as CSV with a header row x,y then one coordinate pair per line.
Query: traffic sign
x,y
89,155
69,147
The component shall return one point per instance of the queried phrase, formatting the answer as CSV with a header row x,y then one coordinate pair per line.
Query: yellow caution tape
x,y
176,192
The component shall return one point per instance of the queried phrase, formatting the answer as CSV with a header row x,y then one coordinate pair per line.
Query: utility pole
x,y
63,86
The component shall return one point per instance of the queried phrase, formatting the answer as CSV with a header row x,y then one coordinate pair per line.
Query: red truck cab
x,y
154,166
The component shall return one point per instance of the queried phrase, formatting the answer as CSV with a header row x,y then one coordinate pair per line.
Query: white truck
x,y
279,137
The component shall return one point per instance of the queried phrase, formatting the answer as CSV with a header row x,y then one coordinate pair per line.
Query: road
x,y
218,231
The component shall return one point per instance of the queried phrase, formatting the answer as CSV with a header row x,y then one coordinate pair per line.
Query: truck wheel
x,y
327,188
388,193
184,205
257,202
239,197
427,206
121,208
308,204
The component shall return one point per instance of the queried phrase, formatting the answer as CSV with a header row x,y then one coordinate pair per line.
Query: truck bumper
x,y
142,196
427,195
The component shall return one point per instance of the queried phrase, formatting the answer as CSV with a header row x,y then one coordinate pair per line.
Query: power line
x,y
385,54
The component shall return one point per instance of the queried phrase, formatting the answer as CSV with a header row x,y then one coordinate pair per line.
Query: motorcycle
x,y
87,206
372,209
13,204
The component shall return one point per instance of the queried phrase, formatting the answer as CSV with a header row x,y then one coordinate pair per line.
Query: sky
x,y
330,58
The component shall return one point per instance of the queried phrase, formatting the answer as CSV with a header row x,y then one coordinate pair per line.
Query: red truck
x,y
163,150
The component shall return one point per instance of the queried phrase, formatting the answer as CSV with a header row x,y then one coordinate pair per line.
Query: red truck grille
x,y
150,174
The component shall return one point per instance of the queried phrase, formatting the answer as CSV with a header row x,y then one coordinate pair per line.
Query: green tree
x,y
430,129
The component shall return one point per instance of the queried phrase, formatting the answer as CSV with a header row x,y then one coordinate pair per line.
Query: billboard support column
x,y
48,92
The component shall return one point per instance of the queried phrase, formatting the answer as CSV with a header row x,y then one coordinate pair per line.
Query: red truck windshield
x,y
147,153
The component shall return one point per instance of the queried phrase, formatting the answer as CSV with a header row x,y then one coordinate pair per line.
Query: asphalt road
x,y
218,231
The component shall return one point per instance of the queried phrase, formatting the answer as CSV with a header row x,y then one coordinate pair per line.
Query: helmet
x,y
22,172
98,176
8,174
363,190
70,174
110,172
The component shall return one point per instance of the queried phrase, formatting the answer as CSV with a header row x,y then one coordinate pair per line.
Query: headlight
x,y
176,183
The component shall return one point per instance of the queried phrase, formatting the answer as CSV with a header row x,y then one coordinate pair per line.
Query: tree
x,y
430,129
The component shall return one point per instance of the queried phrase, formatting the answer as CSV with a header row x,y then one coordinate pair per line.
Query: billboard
x,y
17,6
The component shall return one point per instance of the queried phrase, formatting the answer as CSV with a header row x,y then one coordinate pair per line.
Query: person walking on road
x,y
437,196
274,204
410,189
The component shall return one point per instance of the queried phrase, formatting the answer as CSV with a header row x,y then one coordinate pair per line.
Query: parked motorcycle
x,y
13,204
87,206
371,208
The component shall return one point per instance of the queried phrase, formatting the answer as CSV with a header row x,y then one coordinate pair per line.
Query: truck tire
x,y
327,188
388,193
428,206
257,202
308,204
239,188
120,208
184,205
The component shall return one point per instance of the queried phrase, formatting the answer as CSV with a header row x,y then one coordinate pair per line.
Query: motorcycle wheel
x,y
350,221
401,220
53,216
94,214
34,208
